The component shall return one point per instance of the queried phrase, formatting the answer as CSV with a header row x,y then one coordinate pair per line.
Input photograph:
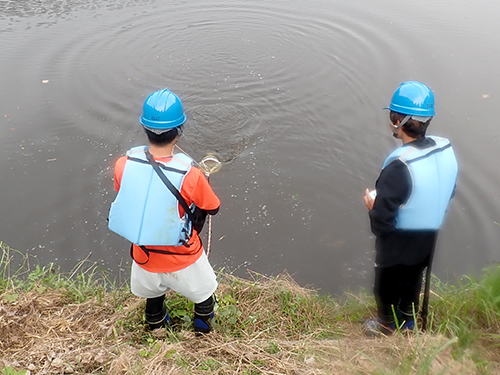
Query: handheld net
x,y
210,164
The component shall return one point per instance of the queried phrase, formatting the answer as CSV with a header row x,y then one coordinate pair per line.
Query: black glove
x,y
199,219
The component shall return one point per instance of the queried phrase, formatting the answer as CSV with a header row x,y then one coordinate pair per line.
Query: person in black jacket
x,y
407,208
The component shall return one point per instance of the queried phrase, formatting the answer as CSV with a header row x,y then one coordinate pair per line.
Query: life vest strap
x,y
436,150
162,166
157,251
169,185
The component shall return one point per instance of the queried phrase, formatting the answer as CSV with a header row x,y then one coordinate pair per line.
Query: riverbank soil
x,y
264,326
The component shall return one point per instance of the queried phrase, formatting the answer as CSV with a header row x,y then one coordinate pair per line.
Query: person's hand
x,y
368,200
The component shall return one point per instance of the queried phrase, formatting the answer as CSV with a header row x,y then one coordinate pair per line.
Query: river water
x,y
288,94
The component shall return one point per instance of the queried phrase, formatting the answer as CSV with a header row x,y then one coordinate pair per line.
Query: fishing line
x,y
209,164
184,152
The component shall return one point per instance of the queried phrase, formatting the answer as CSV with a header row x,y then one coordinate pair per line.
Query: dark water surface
x,y
287,93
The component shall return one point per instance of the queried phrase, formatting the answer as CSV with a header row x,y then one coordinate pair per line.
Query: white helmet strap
x,y
396,128
405,120
161,131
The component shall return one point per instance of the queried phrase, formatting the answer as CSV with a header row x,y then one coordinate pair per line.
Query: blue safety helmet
x,y
413,99
162,110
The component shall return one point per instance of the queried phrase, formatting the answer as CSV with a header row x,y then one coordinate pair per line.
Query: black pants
x,y
399,287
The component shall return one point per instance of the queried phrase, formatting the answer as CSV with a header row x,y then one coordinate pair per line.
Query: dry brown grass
x,y
279,331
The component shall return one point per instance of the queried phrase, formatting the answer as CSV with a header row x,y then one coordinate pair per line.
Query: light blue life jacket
x,y
433,173
145,212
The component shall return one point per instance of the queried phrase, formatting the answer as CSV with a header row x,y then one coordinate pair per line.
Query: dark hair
x,y
163,138
413,128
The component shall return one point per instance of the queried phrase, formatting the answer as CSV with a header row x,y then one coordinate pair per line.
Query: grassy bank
x,y
80,322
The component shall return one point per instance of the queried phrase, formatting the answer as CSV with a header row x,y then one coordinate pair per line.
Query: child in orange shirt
x,y
163,222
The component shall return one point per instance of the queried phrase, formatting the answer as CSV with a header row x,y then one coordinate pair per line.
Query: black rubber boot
x,y
157,313
203,314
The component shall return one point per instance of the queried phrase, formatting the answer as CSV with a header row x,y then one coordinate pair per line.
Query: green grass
x,y
263,325
469,308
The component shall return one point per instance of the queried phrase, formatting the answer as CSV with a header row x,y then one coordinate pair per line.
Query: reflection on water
x,y
287,95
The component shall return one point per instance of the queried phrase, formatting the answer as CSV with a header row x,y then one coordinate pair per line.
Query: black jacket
x,y
395,246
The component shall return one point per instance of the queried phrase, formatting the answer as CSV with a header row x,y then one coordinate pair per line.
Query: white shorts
x,y
196,282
